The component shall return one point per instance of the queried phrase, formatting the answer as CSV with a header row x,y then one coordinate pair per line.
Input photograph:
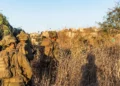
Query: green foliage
x,y
112,20
3,20
5,27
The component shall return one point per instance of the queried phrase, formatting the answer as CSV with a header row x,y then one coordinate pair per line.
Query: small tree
x,y
112,20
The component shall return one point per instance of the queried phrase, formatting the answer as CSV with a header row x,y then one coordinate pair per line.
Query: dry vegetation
x,y
90,57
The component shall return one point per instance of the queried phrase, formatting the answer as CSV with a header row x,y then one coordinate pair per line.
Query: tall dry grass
x,y
87,61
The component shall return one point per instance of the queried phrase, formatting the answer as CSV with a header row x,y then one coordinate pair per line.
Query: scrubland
x,y
88,57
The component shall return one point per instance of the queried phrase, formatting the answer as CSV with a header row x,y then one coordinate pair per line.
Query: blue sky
x,y
40,15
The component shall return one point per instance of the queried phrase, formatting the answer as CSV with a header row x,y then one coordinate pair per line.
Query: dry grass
x,y
87,61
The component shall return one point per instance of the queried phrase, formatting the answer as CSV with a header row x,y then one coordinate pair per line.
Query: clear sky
x,y
40,15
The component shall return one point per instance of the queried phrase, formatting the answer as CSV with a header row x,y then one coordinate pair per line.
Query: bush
x,y
112,20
